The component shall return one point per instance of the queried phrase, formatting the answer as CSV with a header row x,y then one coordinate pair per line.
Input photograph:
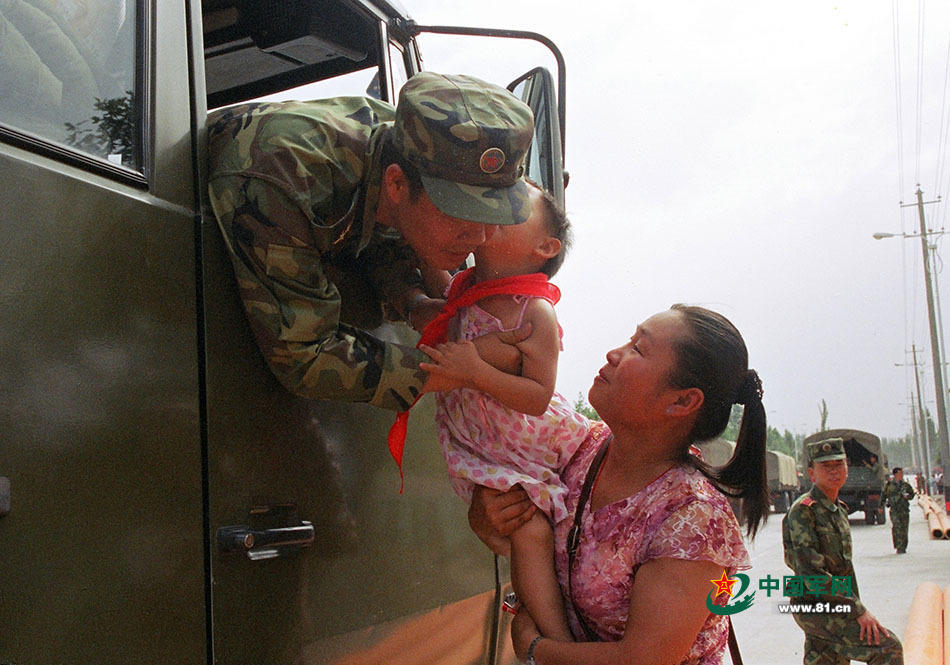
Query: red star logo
x,y
724,584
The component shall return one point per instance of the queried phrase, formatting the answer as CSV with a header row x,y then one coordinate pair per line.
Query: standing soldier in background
x,y
897,494
817,540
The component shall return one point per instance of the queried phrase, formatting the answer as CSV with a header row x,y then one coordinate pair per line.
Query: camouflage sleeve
x,y
294,309
805,556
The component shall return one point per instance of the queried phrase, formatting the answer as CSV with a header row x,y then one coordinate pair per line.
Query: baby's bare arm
x,y
458,363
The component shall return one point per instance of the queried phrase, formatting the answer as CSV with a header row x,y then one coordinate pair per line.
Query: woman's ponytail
x,y
713,357
745,473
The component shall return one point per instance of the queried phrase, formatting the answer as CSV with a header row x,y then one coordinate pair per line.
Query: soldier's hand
x,y
871,629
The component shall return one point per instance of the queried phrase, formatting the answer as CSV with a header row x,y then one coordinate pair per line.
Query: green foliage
x,y
898,452
585,409
111,133
732,429
782,441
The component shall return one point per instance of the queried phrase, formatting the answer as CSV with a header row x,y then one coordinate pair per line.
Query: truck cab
x,y
162,498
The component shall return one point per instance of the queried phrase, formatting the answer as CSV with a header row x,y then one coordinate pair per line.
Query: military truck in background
x,y
784,483
864,488
162,498
781,473
717,452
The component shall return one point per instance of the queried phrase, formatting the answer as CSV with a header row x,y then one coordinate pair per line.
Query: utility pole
x,y
924,435
916,457
942,434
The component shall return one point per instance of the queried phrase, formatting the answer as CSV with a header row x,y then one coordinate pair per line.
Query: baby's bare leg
x,y
534,579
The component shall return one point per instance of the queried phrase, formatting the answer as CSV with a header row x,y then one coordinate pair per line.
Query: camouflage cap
x,y
468,138
826,450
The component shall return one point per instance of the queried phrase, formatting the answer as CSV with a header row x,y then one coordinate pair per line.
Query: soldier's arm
x,y
294,309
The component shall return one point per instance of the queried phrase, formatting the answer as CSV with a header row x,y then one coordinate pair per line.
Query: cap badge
x,y
826,448
492,160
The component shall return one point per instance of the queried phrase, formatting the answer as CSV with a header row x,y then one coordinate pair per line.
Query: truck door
x,y
101,533
316,557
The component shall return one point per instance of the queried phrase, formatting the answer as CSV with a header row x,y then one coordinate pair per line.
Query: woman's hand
x,y
494,515
523,632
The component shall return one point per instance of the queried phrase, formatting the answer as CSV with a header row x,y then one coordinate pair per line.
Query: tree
x,y
585,409
732,429
111,133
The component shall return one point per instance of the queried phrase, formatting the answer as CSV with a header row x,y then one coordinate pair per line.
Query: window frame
x,y
135,176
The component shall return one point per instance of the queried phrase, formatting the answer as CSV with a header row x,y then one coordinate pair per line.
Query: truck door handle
x,y
260,544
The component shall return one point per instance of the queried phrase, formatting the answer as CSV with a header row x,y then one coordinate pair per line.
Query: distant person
x,y
656,526
330,208
817,540
501,430
897,494
876,467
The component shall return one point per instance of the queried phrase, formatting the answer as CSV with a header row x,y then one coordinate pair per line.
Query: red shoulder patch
x,y
807,501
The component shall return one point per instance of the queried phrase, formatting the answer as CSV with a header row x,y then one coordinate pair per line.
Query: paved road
x,y
887,582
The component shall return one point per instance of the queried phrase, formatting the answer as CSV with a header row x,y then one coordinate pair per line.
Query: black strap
x,y
733,645
574,535
573,540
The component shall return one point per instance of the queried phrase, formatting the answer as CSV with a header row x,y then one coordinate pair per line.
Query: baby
x,y
502,430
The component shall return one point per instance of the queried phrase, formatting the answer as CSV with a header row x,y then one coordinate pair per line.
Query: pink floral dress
x,y
680,515
486,443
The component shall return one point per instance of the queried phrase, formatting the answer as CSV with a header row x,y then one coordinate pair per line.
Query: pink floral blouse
x,y
680,515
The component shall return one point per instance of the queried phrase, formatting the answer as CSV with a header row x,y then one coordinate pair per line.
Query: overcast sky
x,y
739,155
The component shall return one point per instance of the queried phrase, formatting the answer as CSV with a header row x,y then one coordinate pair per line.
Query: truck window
x,y
254,50
363,82
67,71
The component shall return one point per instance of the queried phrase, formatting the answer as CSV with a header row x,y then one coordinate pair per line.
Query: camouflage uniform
x,y
817,540
295,188
898,494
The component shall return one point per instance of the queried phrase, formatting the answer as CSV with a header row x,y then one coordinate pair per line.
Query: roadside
x,y
887,582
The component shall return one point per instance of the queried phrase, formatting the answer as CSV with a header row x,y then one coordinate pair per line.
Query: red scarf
x,y
463,293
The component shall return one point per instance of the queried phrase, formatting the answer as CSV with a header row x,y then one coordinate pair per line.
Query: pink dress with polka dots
x,y
486,443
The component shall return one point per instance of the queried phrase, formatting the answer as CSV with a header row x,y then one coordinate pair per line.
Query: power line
x,y
920,87
897,96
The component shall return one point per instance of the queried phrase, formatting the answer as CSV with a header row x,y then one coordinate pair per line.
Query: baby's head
x,y
536,245
557,225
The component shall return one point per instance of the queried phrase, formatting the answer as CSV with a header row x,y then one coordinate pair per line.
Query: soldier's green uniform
x,y
817,541
897,494
295,188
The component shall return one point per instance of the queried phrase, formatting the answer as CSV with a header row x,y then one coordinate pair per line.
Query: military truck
x,y
783,480
162,498
866,471
717,452
780,469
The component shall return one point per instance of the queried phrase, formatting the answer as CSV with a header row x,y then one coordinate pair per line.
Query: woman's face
x,y
634,384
